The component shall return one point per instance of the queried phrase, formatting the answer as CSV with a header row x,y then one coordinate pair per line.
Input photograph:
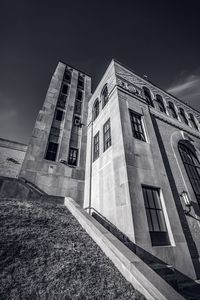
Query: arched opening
x,y
104,95
96,109
147,95
192,166
192,122
160,103
183,116
171,110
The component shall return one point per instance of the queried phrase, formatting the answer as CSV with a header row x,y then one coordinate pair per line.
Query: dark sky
x,y
157,38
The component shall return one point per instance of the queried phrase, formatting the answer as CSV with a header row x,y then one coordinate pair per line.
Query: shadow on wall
x,y
182,217
181,283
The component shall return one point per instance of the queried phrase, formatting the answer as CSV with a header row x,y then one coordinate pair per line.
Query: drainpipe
x,y
91,156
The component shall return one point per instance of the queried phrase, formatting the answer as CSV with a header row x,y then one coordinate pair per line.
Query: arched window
x,y
147,95
192,167
104,95
192,122
183,116
96,109
171,110
160,103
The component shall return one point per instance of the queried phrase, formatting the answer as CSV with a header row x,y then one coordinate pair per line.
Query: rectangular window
x,y
106,135
96,147
137,127
155,217
62,101
67,76
73,156
81,82
65,89
55,131
59,115
51,151
79,95
78,107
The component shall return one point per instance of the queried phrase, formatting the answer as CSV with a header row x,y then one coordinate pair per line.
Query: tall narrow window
x,y
51,151
106,135
193,122
96,147
62,101
73,156
96,109
160,103
65,89
137,126
81,82
78,107
59,115
171,110
147,95
183,116
67,76
79,95
104,95
192,167
155,217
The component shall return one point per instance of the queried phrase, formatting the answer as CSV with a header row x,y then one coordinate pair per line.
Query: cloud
x,y
187,88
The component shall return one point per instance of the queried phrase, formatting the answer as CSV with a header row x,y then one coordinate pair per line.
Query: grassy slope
x,y
45,254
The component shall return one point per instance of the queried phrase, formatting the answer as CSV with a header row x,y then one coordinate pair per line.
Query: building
x,y
140,168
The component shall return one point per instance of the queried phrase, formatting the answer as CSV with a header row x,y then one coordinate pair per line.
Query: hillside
x,y
45,254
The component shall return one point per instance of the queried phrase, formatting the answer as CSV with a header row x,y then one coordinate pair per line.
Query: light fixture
x,y
187,201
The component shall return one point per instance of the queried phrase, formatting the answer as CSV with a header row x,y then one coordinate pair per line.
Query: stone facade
x,y
11,157
64,130
117,180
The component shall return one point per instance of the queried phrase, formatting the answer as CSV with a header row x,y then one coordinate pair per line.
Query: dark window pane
x,y
79,95
171,110
62,101
65,89
104,96
107,135
59,115
147,95
96,147
78,107
51,151
136,124
73,156
81,82
96,109
67,76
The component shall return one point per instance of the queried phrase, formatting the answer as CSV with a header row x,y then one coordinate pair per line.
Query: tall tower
x,y
55,158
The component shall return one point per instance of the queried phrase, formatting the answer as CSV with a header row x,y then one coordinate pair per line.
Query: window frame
x,y
96,146
73,161
171,108
94,110
107,140
136,133
156,220
50,151
104,97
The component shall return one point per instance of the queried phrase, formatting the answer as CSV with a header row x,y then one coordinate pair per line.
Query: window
x,y
55,131
78,107
62,101
104,95
192,167
73,156
147,95
192,122
155,216
79,95
171,110
81,82
137,127
67,76
106,135
96,147
59,115
96,109
160,103
51,151
64,89
183,116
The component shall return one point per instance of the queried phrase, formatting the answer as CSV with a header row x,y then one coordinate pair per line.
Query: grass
x,y
45,254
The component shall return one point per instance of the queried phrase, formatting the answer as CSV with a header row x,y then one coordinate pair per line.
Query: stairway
x,y
185,286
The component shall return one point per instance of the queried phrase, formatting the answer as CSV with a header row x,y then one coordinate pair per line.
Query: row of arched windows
x,y
159,103
103,100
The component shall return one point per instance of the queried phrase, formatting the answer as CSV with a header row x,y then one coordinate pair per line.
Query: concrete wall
x,y
11,157
53,177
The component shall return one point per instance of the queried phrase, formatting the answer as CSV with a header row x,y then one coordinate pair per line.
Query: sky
x,y
160,39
